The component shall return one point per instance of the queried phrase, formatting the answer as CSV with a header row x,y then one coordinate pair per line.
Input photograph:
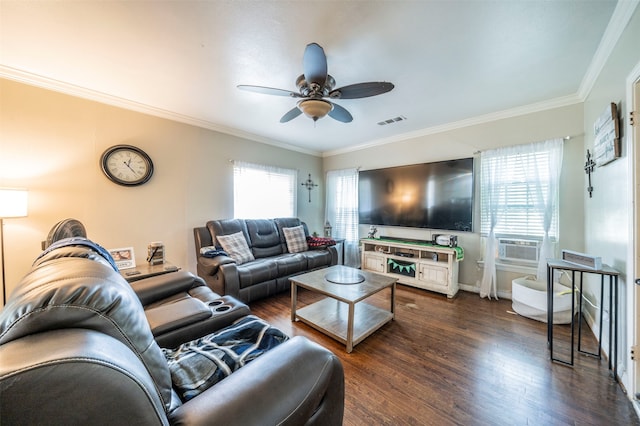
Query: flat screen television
x,y
435,195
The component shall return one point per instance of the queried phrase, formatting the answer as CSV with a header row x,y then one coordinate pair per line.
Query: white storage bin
x,y
529,299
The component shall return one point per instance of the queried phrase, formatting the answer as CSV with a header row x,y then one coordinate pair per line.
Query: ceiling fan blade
x,y
290,115
361,90
340,114
269,91
314,64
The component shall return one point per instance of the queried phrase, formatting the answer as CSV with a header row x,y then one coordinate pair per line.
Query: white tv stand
x,y
418,264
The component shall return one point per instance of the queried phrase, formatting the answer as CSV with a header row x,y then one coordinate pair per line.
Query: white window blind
x,y
342,203
342,210
517,183
261,191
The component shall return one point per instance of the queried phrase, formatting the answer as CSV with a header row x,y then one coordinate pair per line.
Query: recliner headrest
x,y
74,286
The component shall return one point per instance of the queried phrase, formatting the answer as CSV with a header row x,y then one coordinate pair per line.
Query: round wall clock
x,y
126,165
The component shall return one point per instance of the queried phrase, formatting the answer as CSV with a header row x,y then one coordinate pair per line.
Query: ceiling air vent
x,y
392,120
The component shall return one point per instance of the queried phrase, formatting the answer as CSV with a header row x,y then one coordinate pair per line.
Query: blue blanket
x,y
197,365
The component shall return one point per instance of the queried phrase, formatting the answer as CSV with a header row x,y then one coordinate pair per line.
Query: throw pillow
x,y
295,238
236,246
320,242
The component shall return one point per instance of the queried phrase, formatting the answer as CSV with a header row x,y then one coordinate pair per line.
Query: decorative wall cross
x,y
309,184
588,169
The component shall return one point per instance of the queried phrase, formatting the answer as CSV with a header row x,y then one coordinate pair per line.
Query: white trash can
x,y
529,299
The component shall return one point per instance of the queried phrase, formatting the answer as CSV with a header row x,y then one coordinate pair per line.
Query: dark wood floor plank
x,y
465,361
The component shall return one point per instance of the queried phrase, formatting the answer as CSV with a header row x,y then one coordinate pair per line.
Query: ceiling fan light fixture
x,y
315,84
315,108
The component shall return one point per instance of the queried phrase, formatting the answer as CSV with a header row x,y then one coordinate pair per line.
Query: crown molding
x,y
617,24
93,95
481,119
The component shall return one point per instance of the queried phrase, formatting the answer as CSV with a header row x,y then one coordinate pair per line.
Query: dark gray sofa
x,y
76,348
269,273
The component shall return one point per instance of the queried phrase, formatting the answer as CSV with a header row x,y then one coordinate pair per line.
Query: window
x,y
342,211
519,189
519,185
261,191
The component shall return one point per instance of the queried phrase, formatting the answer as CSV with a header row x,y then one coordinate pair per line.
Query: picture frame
x,y
606,129
124,257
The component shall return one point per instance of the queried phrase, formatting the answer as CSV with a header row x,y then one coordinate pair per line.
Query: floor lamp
x,y
13,203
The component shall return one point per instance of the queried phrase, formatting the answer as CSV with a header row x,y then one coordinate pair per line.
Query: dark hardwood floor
x,y
466,361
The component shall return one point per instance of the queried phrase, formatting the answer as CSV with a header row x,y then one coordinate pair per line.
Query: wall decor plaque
x,y
606,145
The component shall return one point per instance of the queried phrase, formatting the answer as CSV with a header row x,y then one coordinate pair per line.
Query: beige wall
x,y
608,215
464,142
51,144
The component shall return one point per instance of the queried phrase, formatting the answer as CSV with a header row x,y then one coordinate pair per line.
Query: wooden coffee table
x,y
342,314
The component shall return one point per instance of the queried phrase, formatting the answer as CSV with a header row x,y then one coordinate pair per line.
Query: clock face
x,y
127,165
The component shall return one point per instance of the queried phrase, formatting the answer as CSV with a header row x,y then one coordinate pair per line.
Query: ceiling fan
x,y
316,85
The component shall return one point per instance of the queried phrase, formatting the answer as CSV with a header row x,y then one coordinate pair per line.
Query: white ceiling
x,y
451,61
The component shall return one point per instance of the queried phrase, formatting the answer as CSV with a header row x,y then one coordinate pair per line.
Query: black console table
x,y
557,264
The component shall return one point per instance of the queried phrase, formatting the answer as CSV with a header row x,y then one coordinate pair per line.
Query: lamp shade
x,y
13,202
315,108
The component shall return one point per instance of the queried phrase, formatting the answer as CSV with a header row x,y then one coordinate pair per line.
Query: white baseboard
x,y
595,328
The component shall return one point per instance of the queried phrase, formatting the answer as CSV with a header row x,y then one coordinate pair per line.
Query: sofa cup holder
x,y
219,306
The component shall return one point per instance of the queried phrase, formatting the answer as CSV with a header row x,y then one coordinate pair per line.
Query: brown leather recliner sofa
x,y
273,263
76,347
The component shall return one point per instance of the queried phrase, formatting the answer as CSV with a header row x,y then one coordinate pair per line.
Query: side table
x,y
557,264
145,270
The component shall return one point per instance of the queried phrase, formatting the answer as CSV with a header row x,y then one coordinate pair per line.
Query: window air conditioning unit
x,y
518,250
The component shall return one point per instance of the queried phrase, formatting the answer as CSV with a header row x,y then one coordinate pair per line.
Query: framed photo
x,y
123,257
607,136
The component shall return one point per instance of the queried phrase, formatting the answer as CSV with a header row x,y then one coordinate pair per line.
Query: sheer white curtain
x,y
519,197
549,200
489,198
342,211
